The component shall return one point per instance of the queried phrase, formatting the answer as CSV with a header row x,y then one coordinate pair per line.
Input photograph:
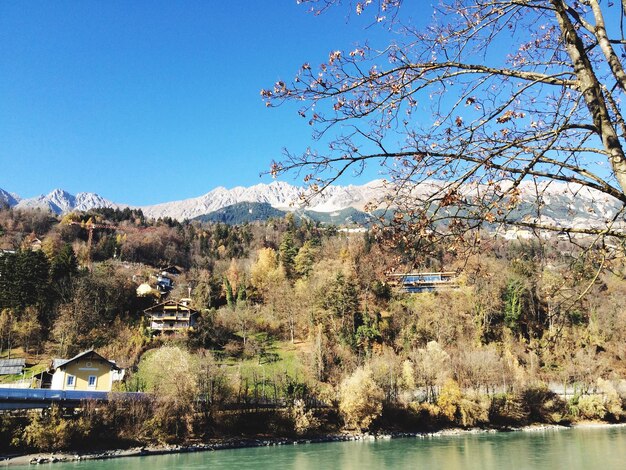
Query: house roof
x,y
57,363
12,366
172,270
170,305
20,361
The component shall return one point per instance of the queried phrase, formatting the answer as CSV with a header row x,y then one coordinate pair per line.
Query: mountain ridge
x,y
8,199
561,203
278,194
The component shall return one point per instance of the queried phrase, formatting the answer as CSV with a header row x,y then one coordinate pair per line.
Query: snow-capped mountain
x,y
559,203
59,201
567,204
277,194
7,199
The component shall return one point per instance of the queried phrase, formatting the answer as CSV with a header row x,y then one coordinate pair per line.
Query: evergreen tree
x,y
24,280
303,262
340,297
64,265
287,254
230,298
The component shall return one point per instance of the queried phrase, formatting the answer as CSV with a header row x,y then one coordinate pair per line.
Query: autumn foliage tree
x,y
360,399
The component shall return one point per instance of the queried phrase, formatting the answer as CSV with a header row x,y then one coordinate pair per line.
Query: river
x,y
596,448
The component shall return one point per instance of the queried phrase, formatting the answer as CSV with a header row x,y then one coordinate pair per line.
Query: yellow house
x,y
86,371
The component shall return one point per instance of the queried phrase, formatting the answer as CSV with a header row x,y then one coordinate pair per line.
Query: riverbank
x,y
47,458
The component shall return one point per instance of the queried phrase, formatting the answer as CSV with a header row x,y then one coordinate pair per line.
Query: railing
x,y
42,398
162,316
178,326
48,394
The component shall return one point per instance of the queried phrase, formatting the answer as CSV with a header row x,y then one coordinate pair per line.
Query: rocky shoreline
x,y
47,458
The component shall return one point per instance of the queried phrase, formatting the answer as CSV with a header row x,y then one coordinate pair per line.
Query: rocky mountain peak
x,y
560,203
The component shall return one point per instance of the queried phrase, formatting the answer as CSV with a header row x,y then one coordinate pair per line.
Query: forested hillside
x,y
304,316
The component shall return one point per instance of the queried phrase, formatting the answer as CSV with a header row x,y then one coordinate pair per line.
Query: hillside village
x,y
396,223
291,327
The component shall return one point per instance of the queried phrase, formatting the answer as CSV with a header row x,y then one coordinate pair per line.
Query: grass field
x,y
34,365
276,371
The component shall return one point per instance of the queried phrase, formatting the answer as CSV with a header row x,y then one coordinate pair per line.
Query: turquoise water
x,y
590,448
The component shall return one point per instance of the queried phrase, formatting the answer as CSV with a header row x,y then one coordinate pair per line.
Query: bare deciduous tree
x,y
491,103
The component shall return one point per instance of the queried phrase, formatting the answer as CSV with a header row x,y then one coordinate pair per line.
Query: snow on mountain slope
x,y
57,201
86,201
60,201
564,203
7,199
278,194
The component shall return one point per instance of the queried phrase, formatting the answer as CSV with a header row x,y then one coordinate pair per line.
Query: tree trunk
x,y
591,89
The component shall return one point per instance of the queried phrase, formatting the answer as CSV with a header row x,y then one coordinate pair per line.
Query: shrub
x,y
428,413
473,411
612,400
449,400
10,428
360,400
461,410
49,431
128,418
507,410
544,406
305,421
591,407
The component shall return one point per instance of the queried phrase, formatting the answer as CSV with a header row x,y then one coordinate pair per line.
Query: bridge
x,y
39,398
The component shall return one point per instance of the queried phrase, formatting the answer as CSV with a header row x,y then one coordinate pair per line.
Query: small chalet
x,y
85,371
171,316
164,284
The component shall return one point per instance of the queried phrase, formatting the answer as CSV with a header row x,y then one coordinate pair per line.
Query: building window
x,y
70,380
92,381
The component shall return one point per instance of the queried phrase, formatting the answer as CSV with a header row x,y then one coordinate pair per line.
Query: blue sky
x,y
145,101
